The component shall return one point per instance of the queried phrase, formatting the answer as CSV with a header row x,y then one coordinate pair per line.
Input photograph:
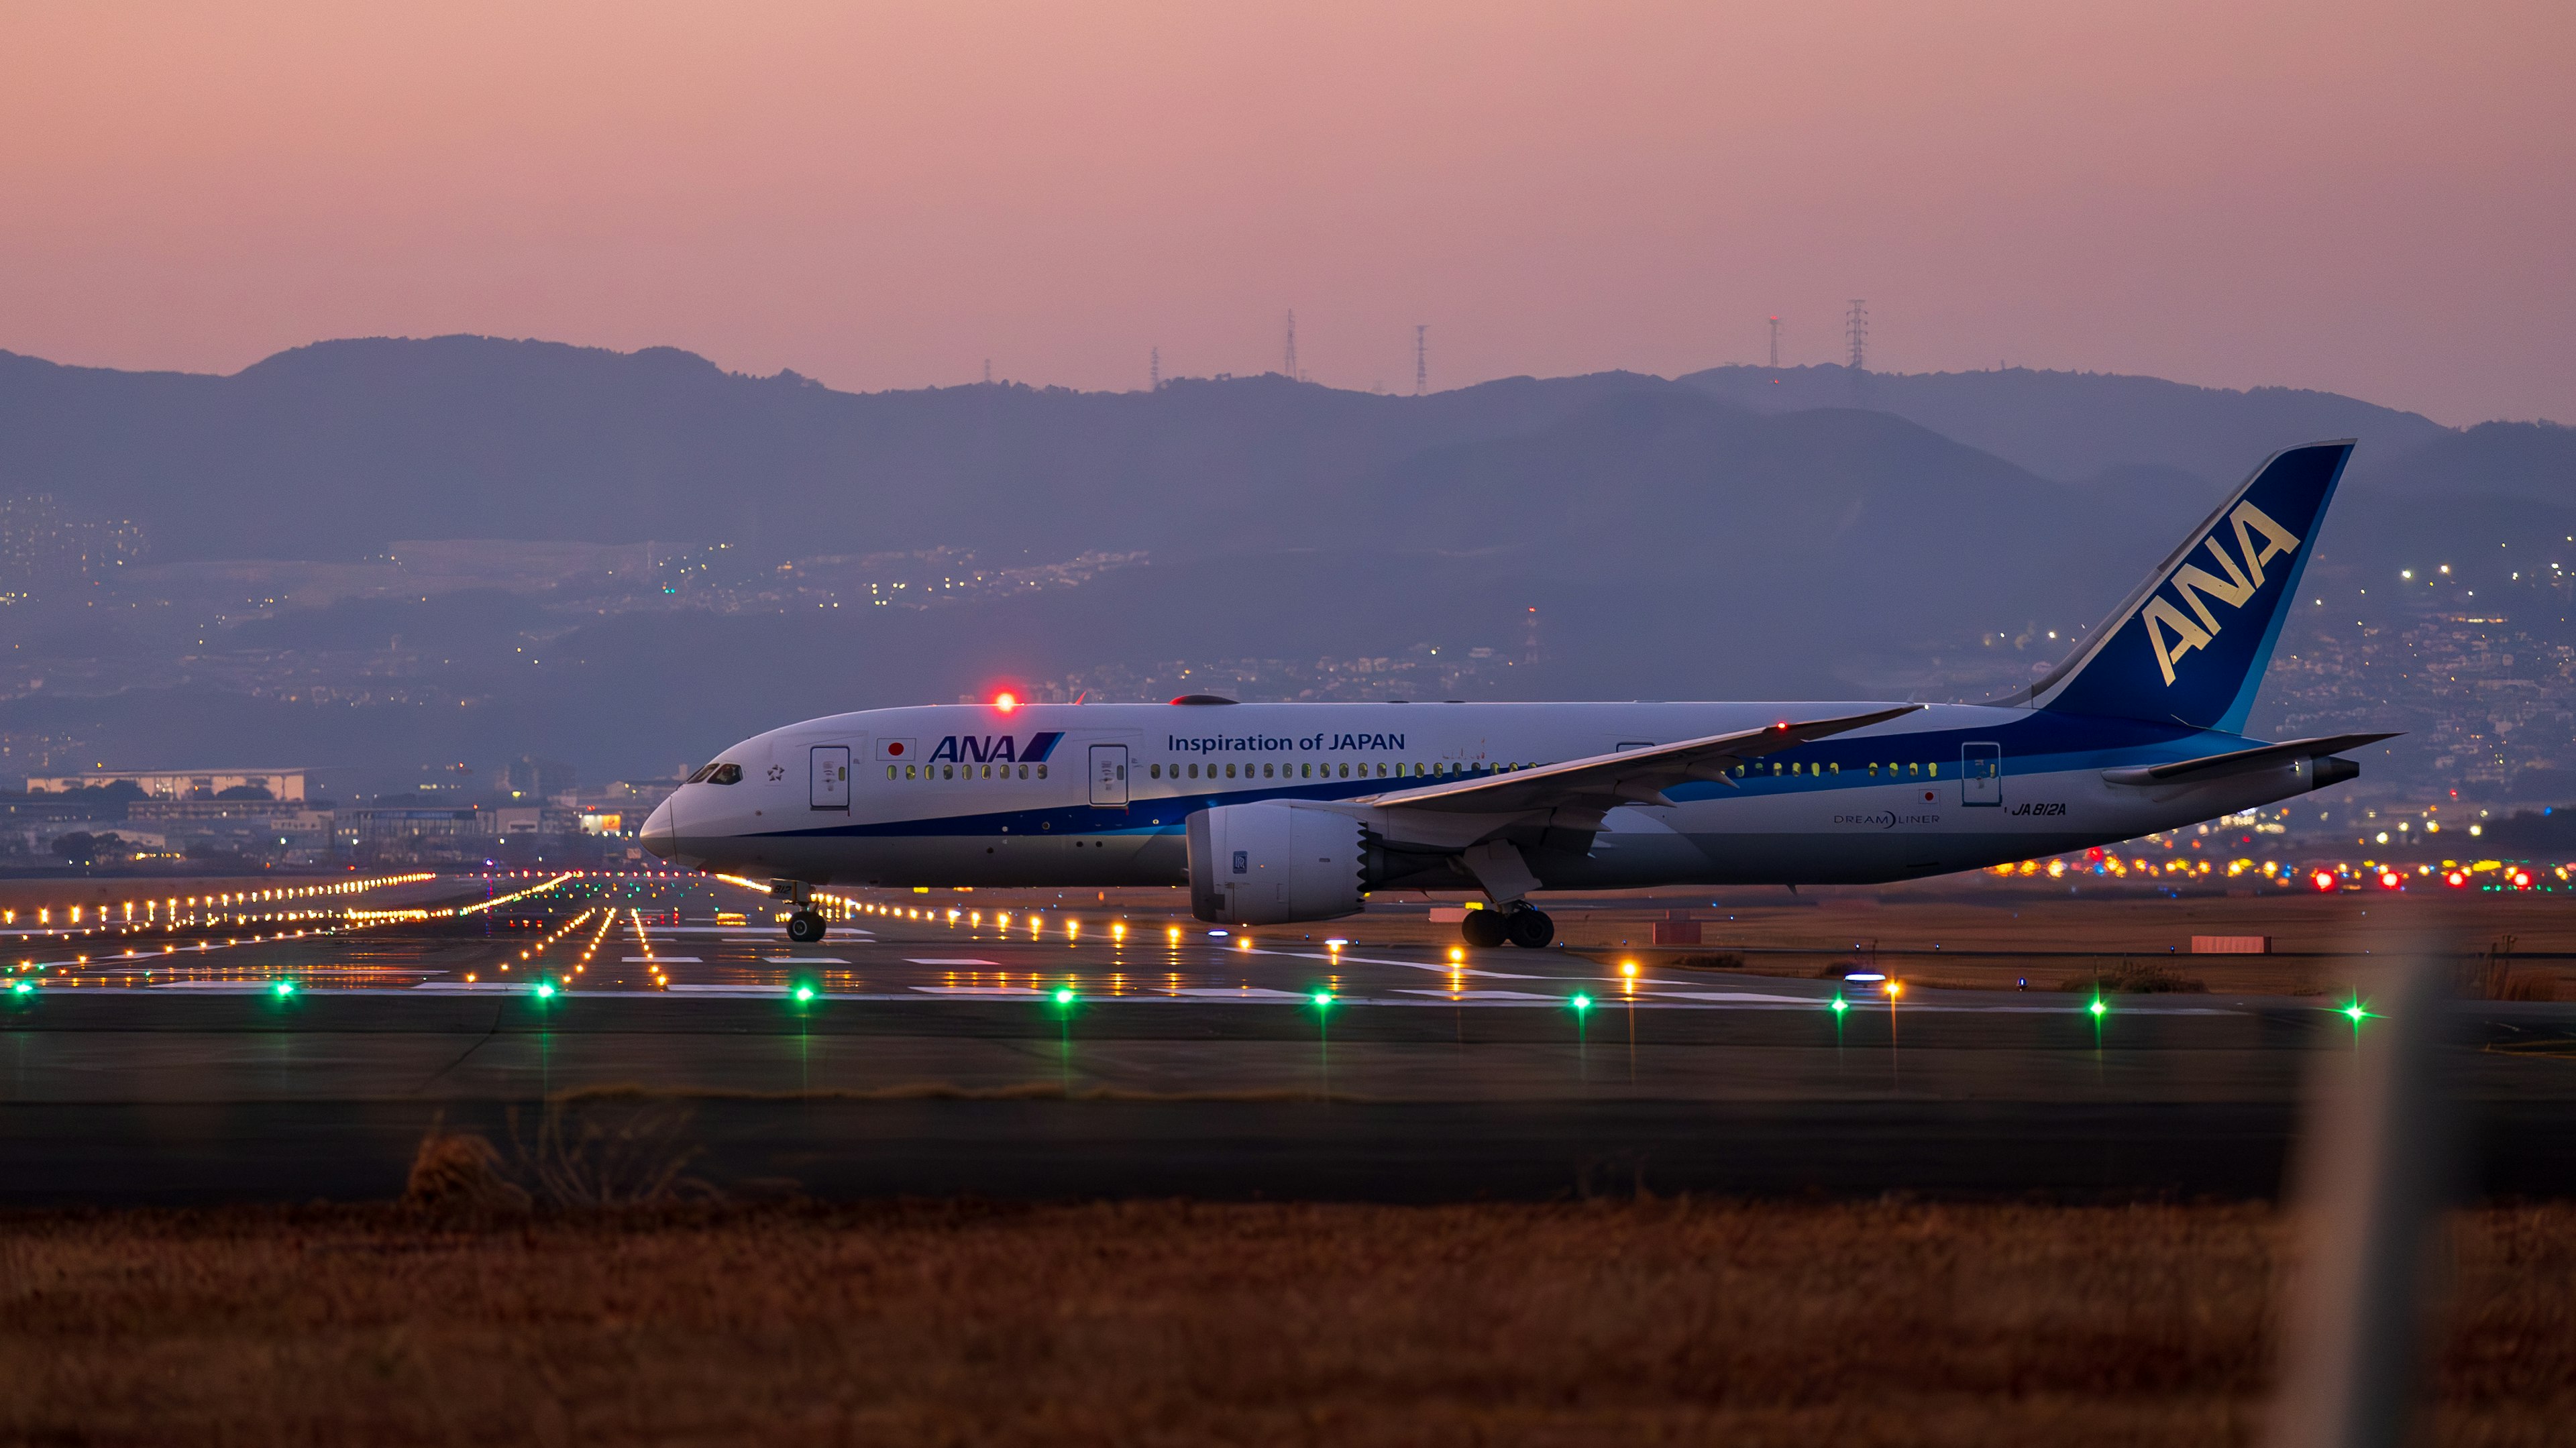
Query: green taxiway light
x,y
24,987
1581,1003
284,988
804,993
2356,1012
1323,999
1064,995
2097,1008
545,990
1841,1005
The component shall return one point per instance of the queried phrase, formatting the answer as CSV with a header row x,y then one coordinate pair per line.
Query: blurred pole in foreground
x,y
2374,1171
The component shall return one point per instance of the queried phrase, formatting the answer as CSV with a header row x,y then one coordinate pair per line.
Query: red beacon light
x,y
2457,878
1006,701
2522,879
2325,880
2389,880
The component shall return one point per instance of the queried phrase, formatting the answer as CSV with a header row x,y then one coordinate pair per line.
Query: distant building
x,y
281,784
46,549
530,778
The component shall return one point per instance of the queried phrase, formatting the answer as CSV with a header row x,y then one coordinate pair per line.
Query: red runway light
x,y
2522,879
2388,879
2456,878
2325,880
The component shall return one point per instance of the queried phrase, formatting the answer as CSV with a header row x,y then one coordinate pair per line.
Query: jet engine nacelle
x,y
1275,861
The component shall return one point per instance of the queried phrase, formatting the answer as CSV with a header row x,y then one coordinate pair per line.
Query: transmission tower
x,y
1856,332
1154,370
1421,359
1775,341
1292,346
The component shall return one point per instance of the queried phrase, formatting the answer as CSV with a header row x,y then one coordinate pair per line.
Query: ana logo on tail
x,y
2195,586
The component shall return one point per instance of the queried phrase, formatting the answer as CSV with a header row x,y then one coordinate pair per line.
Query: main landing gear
x,y
805,924
1520,925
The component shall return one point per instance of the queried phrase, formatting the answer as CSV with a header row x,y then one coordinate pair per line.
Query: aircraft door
x,y
1109,775
1981,774
831,776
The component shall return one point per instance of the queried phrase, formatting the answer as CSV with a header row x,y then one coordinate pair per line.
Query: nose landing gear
x,y
805,927
1520,925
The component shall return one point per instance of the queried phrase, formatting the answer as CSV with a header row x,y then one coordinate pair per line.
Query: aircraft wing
x,y
1636,776
2241,761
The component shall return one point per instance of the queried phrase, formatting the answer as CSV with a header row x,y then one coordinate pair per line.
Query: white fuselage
x,y
1098,795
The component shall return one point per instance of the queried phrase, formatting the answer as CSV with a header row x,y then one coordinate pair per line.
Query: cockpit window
x,y
718,774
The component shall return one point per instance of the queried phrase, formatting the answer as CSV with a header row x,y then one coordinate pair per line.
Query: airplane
x,y
1272,813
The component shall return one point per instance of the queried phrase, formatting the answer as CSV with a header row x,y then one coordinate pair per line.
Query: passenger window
x,y
1914,767
1229,771
1305,771
1024,771
1739,771
1153,771
1873,769
1265,771
948,771
1041,771
1835,767
1933,769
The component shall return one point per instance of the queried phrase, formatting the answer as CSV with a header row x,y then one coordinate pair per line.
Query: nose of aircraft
x,y
660,835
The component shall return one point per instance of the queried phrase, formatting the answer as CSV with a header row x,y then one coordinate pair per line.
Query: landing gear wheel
x,y
1529,929
1482,929
805,927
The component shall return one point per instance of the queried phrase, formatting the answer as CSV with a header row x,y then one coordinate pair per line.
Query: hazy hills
x,y
1716,535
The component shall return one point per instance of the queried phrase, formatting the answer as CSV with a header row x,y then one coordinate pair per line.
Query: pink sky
x,y
2373,198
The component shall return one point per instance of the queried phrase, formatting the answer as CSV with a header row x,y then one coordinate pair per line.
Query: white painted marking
x,y
1249,993
1025,992
804,960
732,990
943,961
1734,997
662,960
1483,995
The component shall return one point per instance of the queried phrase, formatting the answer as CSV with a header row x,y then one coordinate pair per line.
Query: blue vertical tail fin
x,y
2192,643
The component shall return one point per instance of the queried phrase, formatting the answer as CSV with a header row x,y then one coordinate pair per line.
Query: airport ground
x,y
603,1158
1035,1046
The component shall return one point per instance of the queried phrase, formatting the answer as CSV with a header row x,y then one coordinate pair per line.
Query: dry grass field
x,y
1172,1323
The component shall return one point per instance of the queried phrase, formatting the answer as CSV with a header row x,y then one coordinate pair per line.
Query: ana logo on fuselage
x,y
995,748
2195,586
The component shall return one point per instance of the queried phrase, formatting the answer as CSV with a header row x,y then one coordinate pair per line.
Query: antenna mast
x,y
1421,359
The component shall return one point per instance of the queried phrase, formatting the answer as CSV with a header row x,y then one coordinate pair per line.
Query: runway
x,y
1067,1050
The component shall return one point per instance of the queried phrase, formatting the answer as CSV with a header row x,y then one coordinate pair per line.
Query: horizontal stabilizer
x,y
2242,761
